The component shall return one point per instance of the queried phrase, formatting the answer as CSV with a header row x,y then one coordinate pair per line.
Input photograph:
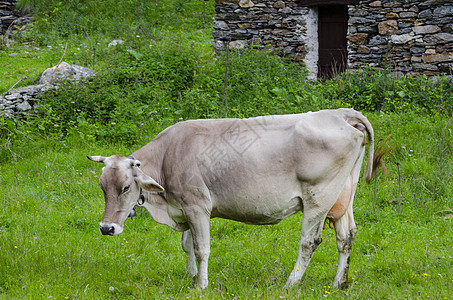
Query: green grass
x,y
51,204
24,62
50,244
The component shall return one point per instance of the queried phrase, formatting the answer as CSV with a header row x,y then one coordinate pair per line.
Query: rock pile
x,y
22,101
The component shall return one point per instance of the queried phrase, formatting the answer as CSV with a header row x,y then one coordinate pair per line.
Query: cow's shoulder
x,y
159,210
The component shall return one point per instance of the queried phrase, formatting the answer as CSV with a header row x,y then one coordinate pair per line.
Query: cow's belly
x,y
257,194
257,210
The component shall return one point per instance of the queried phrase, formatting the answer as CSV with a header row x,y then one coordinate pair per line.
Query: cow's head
x,y
121,181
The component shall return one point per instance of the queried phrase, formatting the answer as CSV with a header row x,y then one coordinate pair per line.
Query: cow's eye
x,y
126,188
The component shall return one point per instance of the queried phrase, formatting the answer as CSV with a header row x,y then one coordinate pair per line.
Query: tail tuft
x,y
379,153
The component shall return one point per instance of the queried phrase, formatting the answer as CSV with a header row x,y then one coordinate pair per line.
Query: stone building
x,y
408,36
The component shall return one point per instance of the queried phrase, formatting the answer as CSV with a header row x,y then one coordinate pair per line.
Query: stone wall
x,y
405,35
22,101
280,25
409,36
7,14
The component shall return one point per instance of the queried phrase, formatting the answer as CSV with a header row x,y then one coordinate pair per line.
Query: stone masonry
x,y
24,101
408,36
7,14
280,25
403,35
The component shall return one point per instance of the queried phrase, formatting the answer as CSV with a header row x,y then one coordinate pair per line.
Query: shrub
x,y
378,90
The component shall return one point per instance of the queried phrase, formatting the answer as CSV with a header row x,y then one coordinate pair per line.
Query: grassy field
x,y
51,203
51,246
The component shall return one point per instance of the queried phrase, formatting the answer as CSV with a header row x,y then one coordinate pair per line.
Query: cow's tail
x,y
359,121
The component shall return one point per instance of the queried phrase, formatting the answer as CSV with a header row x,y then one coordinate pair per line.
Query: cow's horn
x,y
97,158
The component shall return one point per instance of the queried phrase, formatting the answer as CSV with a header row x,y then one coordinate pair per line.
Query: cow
x,y
257,170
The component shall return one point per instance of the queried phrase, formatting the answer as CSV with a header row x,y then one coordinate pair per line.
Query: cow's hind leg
x,y
345,227
346,230
187,246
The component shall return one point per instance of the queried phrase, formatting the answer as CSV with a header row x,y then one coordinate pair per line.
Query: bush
x,y
169,82
378,90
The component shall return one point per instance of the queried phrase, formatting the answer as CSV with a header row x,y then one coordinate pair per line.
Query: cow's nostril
x,y
107,229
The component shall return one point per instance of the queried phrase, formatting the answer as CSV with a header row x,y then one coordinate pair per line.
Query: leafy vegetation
x,y
380,90
166,72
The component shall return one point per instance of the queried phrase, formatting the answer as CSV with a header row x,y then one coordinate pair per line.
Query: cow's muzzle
x,y
107,229
110,229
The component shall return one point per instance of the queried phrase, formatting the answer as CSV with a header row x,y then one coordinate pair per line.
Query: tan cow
x,y
257,171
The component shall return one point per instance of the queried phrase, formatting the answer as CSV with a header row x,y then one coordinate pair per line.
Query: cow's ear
x,y
147,183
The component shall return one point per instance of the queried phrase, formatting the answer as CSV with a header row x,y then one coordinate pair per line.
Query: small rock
x,y
279,4
115,42
246,3
239,44
7,113
426,29
436,58
24,106
444,37
12,97
378,40
428,67
388,27
391,15
376,4
408,14
221,25
402,39
358,39
425,14
363,50
443,11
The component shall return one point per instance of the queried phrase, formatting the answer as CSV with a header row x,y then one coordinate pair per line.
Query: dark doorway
x,y
332,31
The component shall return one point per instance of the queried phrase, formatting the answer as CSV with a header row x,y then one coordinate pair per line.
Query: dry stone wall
x,y
24,101
404,35
7,14
408,36
280,25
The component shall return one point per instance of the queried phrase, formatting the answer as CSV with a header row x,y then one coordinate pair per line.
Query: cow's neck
x,y
151,157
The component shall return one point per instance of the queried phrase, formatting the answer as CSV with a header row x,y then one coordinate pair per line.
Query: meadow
x,y
167,72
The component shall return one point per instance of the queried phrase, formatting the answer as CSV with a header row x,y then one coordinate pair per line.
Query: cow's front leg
x,y
187,246
198,220
346,230
311,238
